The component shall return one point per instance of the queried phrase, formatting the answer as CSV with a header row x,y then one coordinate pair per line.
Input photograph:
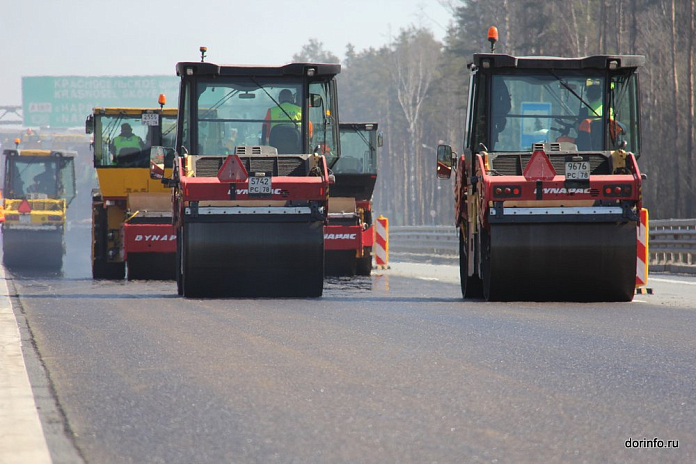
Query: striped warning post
x,y
642,252
382,242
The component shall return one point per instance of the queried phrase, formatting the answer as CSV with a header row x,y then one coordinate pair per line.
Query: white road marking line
x,y
671,281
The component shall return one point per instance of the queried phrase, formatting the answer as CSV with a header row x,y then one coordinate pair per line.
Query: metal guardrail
x,y
672,244
424,243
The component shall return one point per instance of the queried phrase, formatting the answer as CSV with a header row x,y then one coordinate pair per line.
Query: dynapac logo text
x,y
339,236
155,238
563,190
246,191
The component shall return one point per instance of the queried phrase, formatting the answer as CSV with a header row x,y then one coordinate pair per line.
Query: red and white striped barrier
x,y
382,242
642,252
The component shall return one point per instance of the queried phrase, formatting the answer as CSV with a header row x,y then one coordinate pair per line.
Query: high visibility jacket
x,y
596,107
121,142
276,116
596,110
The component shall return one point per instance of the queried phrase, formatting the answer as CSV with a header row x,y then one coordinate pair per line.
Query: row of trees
x,y
416,87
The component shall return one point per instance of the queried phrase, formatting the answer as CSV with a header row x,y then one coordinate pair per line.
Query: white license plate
x,y
577,170
260,186
150,119
25,218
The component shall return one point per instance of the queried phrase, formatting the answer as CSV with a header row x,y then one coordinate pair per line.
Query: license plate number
x,y
150,119
577,170
260,186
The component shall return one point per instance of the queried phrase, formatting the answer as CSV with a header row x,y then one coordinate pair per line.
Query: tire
x,y
364,265
340,263
179,277
189,287
485,250
472,286
101,268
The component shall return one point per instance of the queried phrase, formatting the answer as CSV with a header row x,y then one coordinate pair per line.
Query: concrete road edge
x,y
21,434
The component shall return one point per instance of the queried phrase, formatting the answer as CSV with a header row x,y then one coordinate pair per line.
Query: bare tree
x,y
415,60
691,156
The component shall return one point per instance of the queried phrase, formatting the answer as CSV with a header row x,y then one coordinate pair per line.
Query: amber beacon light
x,y
492,37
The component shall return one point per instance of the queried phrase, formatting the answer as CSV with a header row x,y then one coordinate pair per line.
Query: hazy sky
x,y
148,37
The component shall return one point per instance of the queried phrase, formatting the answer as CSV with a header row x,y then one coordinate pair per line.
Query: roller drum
x,y
33,249
252,259
560,261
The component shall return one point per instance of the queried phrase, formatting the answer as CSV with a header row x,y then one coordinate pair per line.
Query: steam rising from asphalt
x,y
77,262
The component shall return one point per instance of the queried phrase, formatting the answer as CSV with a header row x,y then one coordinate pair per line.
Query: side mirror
x,y
380,138
444,161
315,100
89,124
160,157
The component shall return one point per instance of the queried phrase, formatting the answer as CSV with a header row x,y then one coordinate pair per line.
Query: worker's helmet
x,y
285,95
593,88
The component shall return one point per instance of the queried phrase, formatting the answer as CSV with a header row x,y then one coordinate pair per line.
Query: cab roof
x,y
613,62
40,153
116,111
292,69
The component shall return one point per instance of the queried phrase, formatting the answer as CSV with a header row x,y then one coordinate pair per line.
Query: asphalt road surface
x,y
394,368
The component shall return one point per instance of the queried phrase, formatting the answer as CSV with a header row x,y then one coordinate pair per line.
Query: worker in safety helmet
x,y
126,143
286,112
594,98
593,110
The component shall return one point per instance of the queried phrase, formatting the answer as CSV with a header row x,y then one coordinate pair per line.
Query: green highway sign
x,y
66,101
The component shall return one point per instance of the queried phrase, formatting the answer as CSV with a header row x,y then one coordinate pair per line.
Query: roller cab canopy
x,y
39,174
154,126
592,102
292,108
356,171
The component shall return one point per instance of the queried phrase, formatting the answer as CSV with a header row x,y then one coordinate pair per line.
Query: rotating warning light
x,y
492,34
492,37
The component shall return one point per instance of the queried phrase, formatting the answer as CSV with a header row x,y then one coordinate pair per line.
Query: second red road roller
x,y
548,189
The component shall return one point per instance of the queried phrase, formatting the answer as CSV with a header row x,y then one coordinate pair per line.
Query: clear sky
x,y
148,37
